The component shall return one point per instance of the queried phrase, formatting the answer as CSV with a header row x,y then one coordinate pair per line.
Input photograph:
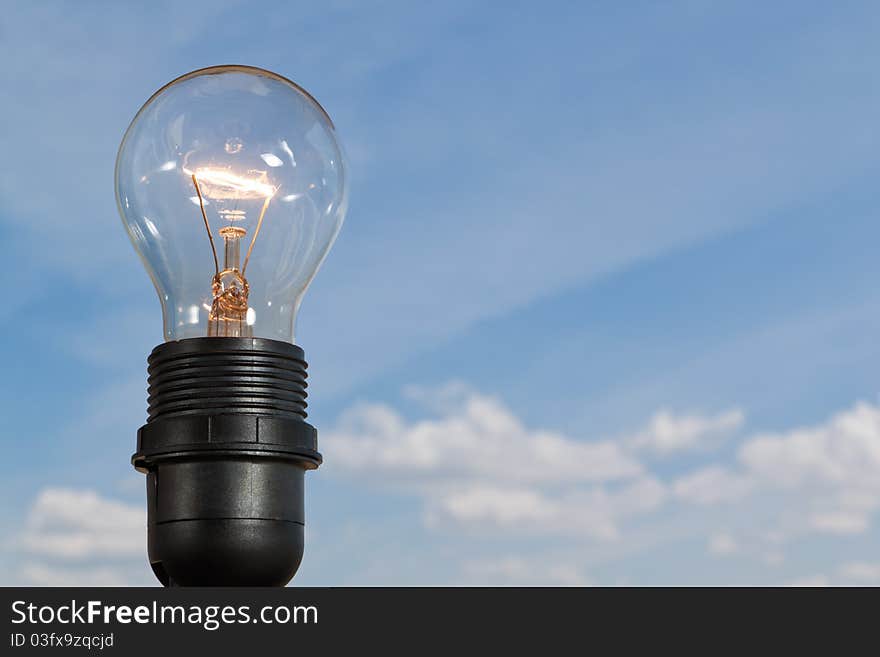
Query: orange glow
x,y
224,184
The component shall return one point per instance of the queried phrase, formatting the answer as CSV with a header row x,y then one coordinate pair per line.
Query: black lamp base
x,y
225,450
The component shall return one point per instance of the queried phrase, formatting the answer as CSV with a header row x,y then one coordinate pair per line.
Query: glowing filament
x,y
224,184
229,309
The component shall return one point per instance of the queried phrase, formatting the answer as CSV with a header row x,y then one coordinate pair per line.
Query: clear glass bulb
x,y
232,186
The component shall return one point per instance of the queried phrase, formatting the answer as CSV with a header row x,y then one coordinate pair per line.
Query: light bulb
x,y
232,187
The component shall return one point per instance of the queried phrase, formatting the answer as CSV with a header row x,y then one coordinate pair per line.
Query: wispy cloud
x,y
524,571
667,433
491,209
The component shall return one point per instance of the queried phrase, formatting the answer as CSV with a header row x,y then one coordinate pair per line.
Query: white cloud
x,y
712,485
501,507
593,513
843,453
668,433
510,491
822,479
76,524
477,468
480,440
831,470
76,537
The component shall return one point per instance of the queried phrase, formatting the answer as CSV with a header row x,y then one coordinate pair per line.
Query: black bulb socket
x,y
225,450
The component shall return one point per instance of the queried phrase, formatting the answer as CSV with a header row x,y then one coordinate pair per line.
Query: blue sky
x,y
603,309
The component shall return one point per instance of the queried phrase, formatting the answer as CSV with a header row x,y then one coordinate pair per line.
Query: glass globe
x,y
232,186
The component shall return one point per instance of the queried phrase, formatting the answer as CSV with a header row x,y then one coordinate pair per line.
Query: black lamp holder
x,y
225,450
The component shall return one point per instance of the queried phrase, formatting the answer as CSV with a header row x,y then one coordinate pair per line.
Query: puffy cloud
x,y
479,440
843,452
822,479
76,537
832,468
68,523
668,433
477,468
